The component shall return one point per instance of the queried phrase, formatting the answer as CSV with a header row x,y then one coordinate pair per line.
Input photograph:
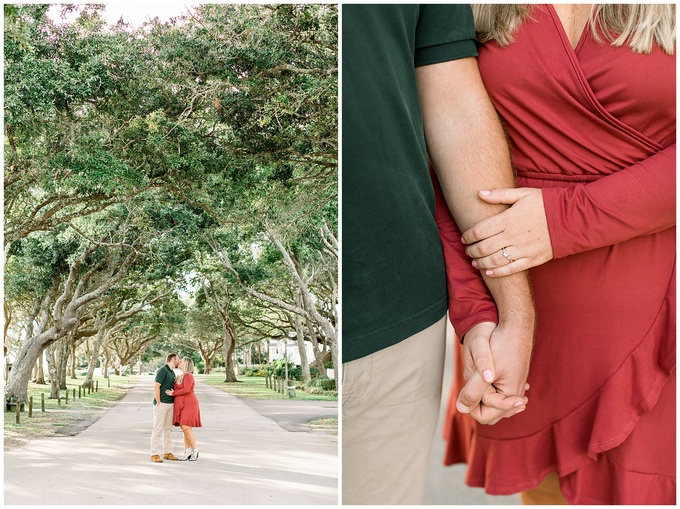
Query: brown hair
x,y
170,356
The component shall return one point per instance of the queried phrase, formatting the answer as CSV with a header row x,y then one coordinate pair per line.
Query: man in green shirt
x,y
411,88
163,408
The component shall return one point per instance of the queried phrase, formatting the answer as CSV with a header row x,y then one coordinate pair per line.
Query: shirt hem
x,y
377,340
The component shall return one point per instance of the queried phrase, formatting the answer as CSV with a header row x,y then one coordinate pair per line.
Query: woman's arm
x,y
558,222
470,302
187,386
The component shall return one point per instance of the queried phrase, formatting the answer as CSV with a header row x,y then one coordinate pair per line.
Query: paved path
x,y
294,415
245,458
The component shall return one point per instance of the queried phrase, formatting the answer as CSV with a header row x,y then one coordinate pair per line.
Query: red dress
x,y
186,410
594,128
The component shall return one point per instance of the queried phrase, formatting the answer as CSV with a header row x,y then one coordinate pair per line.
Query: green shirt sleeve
x,y
444,32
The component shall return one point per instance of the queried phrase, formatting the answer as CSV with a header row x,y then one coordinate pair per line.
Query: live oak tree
x,y
126,146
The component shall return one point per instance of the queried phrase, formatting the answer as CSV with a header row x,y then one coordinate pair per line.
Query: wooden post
x,y
108,382
59,399
79,388
67,396
97,387
74,394
42,401
30,406
18,412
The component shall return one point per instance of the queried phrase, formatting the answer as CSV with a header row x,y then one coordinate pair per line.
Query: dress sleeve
x,y
636,201
187,386
470,301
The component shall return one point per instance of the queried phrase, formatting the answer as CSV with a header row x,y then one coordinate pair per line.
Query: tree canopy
x,y
156,171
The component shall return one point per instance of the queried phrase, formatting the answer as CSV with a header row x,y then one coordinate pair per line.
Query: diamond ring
x,y
507,255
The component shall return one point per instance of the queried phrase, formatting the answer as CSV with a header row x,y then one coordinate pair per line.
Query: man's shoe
x,y
170,456
156,458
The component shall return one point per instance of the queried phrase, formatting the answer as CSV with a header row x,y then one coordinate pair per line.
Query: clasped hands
x,y
496,366
496,358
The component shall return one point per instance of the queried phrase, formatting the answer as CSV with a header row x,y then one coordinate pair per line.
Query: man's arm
x,y
469,152
157,391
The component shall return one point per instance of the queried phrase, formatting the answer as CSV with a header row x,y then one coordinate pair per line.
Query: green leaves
x,y
222,122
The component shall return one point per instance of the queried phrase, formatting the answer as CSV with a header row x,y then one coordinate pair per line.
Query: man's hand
x,y
511,347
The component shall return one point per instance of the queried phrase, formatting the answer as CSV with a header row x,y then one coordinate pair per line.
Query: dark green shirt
x,y
394,282
165,377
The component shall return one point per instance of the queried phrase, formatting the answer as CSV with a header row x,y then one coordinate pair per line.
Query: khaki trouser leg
x,y
546,493
162,427
390,408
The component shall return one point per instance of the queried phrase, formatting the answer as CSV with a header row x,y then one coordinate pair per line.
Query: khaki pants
x,y
162,426
390,407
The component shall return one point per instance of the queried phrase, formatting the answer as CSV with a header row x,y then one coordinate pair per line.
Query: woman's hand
x,y
486,403
521,231
169,392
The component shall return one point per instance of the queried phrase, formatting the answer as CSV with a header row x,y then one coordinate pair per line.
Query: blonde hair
x,y
637,25
187,367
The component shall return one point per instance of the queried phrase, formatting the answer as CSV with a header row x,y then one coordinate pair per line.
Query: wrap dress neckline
x,y
572,53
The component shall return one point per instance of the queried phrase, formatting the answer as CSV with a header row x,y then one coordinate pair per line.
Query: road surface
x,y
245,458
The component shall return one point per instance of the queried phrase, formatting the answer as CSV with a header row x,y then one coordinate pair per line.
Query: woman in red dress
x,y
591,122
187,414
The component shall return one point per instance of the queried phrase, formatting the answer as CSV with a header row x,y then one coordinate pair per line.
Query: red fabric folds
x,y
186,411
601,407
470,302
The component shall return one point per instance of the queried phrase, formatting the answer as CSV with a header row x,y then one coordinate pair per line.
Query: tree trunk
x,y
229,346
62,363
318,354
17,381
40,369
336,363
94,358
73,359
228,331
207,361
304,362
105,367
52,370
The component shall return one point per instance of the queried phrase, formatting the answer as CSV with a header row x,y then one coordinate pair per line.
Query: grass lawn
x,y
69,419
255,388
329,424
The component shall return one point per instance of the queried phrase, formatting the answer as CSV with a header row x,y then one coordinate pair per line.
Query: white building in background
x,y
278,349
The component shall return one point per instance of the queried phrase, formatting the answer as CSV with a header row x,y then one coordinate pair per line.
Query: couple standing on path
x,y
175,404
